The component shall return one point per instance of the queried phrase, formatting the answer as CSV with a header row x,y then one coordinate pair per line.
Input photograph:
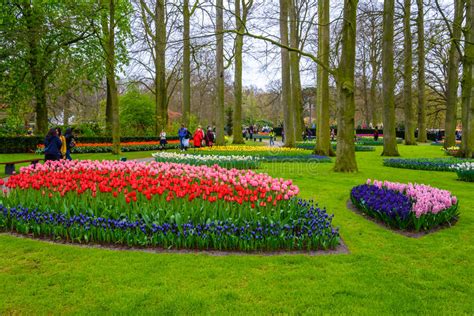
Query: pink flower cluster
x,y
426,199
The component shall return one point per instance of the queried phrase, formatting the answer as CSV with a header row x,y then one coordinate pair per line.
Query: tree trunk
x,y
374,64
108,108
421,73
220,140
295,73
239,42
407,78
161,94
66,108
323,142
389,135
345,153
453,78
35,69
468,84
110,60
288,121
186,64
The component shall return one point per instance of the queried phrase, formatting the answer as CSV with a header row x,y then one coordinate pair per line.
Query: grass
x,y
385,273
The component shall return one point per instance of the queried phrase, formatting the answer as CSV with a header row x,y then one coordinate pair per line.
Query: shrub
x,y
405,206
230,161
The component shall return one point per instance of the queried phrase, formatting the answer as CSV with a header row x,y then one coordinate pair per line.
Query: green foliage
x,y
137,113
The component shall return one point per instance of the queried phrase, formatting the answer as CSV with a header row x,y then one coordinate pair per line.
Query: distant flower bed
x,y
465,171
229,161
303,158
369,141
405,206
433,164
82,148
309,145
164,205
451,151
251,150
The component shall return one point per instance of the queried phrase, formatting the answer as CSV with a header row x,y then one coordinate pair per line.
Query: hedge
x,y
29,144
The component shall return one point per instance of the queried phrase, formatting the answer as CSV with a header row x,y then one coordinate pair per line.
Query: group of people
x,y
58,146
200,138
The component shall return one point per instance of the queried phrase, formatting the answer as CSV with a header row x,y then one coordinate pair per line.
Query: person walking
x,y
198,137
70,142
251,131
63,148
163,139
209,137
182,134
52,146
376,135
272,137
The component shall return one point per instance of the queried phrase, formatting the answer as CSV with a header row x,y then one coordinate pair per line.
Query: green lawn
x,y
384,272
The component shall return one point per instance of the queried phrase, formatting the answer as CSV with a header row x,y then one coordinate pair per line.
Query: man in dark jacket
x,y
52,146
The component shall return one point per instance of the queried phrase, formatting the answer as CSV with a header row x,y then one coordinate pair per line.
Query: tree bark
x,y
345,153
33,24
374,64
407,77
389,135
110,61
186,64
453,77
161,94
220,140
468,84
239,41
295,73
421,73
288,121
108,108
323,142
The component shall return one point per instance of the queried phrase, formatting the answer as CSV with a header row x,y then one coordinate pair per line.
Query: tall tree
x,y
323,142
453,77
388,80
220,140
241,11
296,97
157,45
109,46
187,13
288,123
407,77
467,146
35,37
345,152
420,22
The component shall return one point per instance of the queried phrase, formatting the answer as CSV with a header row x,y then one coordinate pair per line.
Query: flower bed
x,y
229,161
303,158
369,141
405,206
82,148
164,205
433,164
310,146
465,171
451,151
252,150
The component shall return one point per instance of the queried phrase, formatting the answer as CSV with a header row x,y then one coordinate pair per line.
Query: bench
x,y
10,166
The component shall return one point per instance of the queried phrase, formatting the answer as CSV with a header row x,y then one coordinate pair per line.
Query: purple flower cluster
x,y
311,229
384,201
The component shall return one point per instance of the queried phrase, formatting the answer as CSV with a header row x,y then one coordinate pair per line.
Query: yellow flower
x,y
251,149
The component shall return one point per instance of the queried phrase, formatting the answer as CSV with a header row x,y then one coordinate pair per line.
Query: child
x,y
163,139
